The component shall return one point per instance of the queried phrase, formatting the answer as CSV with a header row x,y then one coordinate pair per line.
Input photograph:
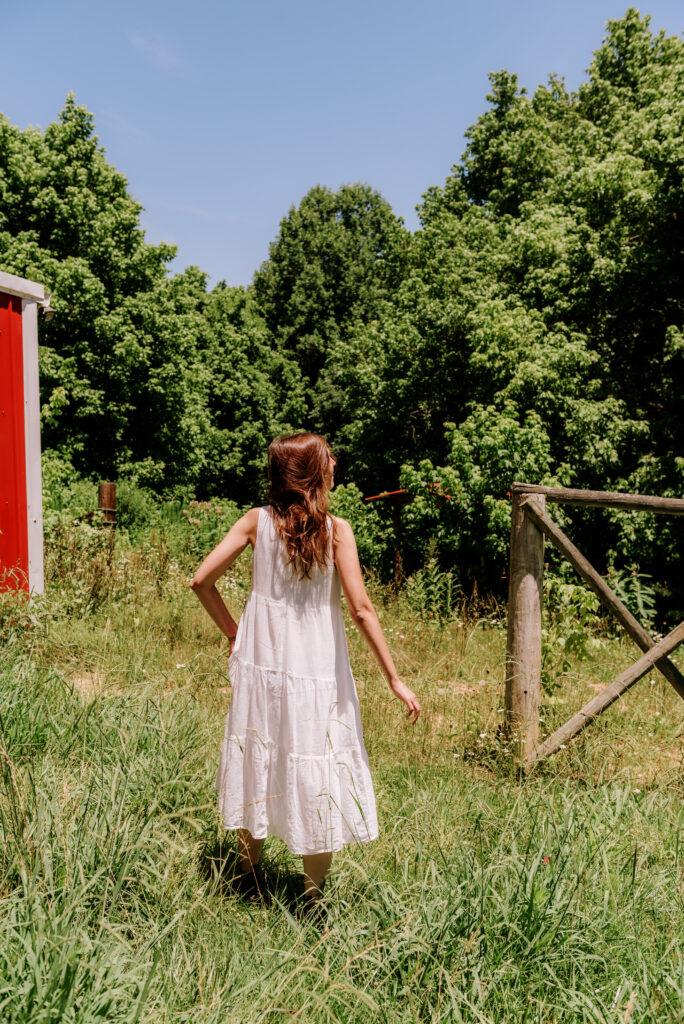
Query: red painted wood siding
x,y
13,511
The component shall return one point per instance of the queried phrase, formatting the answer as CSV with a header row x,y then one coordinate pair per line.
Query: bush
x,y
373,532
63,489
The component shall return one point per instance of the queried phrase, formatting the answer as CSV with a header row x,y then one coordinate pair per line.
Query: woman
x,y
293,762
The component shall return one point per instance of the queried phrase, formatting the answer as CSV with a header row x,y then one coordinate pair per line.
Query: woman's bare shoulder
x,y
250,522
342,531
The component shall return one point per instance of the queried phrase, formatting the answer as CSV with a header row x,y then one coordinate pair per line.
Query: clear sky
x,y
222,114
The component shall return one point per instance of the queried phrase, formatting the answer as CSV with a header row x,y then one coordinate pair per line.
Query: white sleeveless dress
x,y
293,762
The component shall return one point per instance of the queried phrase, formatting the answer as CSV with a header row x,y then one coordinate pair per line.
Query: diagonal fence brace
x,y
607,696
608,598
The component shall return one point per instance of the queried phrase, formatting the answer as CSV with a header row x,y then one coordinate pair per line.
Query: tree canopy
x,y
532,327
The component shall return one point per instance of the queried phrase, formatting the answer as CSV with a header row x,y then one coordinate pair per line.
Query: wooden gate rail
x,y
604,499
529,524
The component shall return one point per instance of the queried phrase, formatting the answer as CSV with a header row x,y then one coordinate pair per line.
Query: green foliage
x,y
336,258
209,522
136,508
531,328
635,590
373,533
431,592
252,393
572,628
64,490
463,505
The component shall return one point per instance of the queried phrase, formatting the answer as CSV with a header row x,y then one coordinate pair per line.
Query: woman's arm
x,y
363,613
215,564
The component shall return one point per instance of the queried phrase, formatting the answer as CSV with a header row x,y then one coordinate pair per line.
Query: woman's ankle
x,y
247,866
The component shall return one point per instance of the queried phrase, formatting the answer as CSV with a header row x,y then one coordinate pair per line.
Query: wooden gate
x,y
530,523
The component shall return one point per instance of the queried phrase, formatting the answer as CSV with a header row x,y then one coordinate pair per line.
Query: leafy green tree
x,y
336,258
252,391
461,509
556,244
111,359
143,375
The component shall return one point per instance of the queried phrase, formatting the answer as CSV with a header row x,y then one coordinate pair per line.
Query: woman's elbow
x,y
362,615
197,583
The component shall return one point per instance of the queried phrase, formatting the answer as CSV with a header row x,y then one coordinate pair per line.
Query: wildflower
x,y
547,860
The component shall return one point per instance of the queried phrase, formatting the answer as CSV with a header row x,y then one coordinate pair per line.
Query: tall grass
x,y
486,899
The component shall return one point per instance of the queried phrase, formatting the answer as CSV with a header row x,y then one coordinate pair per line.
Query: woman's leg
x,y
249,850
316,867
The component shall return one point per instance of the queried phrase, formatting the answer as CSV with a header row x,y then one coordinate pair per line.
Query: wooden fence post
x,y
523,649
106,500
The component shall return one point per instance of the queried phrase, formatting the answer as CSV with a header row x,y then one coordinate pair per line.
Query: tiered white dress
x,y
293,762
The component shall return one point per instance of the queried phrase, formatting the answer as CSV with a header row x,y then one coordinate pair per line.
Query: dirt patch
x,y
461,689
89,685
93,684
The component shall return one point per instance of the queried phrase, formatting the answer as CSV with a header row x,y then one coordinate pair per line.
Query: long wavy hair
x,y
297,466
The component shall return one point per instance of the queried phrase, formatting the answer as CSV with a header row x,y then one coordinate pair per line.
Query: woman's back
x,y
272,575
291,624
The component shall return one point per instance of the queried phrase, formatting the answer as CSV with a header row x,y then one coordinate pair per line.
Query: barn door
x,y
14,555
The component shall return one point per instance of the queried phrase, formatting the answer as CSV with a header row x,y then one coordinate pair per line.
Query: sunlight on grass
x,y
484,899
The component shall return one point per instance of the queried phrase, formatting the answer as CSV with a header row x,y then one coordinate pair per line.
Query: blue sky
x,y
223,114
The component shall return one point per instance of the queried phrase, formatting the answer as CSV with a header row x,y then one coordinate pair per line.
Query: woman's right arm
x,y
215,564
363,613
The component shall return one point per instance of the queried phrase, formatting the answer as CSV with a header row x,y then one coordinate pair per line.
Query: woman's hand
x,y
409,698
363,614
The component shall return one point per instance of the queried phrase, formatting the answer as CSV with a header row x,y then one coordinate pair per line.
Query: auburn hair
x,y
297,467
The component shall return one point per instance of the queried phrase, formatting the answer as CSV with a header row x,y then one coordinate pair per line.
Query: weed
x,y
432,592
636,590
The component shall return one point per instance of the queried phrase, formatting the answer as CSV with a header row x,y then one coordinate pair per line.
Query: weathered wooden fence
x,y
530,524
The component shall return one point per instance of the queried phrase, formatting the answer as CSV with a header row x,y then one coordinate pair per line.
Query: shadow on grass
x,y
272,882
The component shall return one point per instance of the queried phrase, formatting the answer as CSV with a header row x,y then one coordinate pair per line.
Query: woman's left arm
x,y
215,564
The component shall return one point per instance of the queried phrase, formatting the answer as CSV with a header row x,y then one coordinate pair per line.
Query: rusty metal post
x,y
106,500
398,563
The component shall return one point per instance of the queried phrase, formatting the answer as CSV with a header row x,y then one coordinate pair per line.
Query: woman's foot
x,y
311,907
249,884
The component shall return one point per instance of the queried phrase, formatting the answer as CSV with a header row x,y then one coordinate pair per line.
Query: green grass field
x,y
558,898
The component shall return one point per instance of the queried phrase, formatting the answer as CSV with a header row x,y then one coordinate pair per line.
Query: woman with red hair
x,y
293,762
